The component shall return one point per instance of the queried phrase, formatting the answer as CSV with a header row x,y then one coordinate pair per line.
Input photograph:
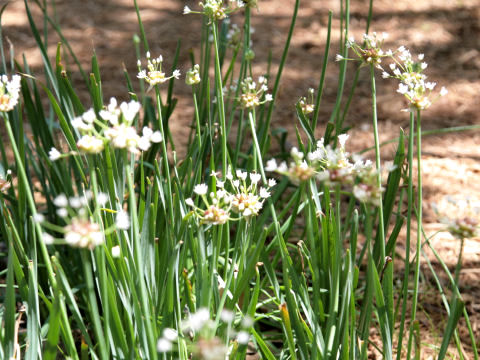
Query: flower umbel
x,y
240,194
460,215
193,75
9,92
154,74
413,83
369,51
251,95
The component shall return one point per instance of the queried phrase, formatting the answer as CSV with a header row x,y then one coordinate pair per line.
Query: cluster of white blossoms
x,y
114,127
461,215
5,181
80,230
197,330
234,36
251,95
216,9
9,92
370,50
240,194
307,103
332,166
413,83
193,75
154,74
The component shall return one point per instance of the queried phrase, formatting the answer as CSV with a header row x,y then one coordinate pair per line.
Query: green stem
x,y
381,226
220,103
408,237
92,302
137,253
31,202
166,166
419,232
266,125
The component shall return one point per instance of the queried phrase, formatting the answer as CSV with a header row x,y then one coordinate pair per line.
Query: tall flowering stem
x,y
219,94
381,226
165,159
419,231
408,238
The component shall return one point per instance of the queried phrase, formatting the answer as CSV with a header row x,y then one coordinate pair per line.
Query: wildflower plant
x,y
153,74
254,95
206,257
9,92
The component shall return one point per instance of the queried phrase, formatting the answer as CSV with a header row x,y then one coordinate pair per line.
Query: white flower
x,y
189,202
264,193
115,251
339,57
90,144
227,315
102,198
60,201
122,220
54,154
268,97
186,10
242,174
198,320
154,74
170,334
62,212
271,165
255,177
130,110
84,234
47,239
163,345
272,182
9,92
342,139
38,218
200,189
443,91
243,337
75,202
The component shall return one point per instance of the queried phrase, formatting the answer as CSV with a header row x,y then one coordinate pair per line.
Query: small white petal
x,y
122,220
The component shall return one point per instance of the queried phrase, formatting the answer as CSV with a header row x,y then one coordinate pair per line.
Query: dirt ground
x,y
446,31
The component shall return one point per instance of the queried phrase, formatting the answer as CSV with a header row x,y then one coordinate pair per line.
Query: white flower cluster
x,y
115,129
461,215
332,166
199,327
370,50
193,75
308,104
216,9
413,83
9,92
241,194
5,182
251,96
234,36
154,74
80,230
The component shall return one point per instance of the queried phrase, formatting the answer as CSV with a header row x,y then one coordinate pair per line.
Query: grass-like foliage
x,y
117,249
